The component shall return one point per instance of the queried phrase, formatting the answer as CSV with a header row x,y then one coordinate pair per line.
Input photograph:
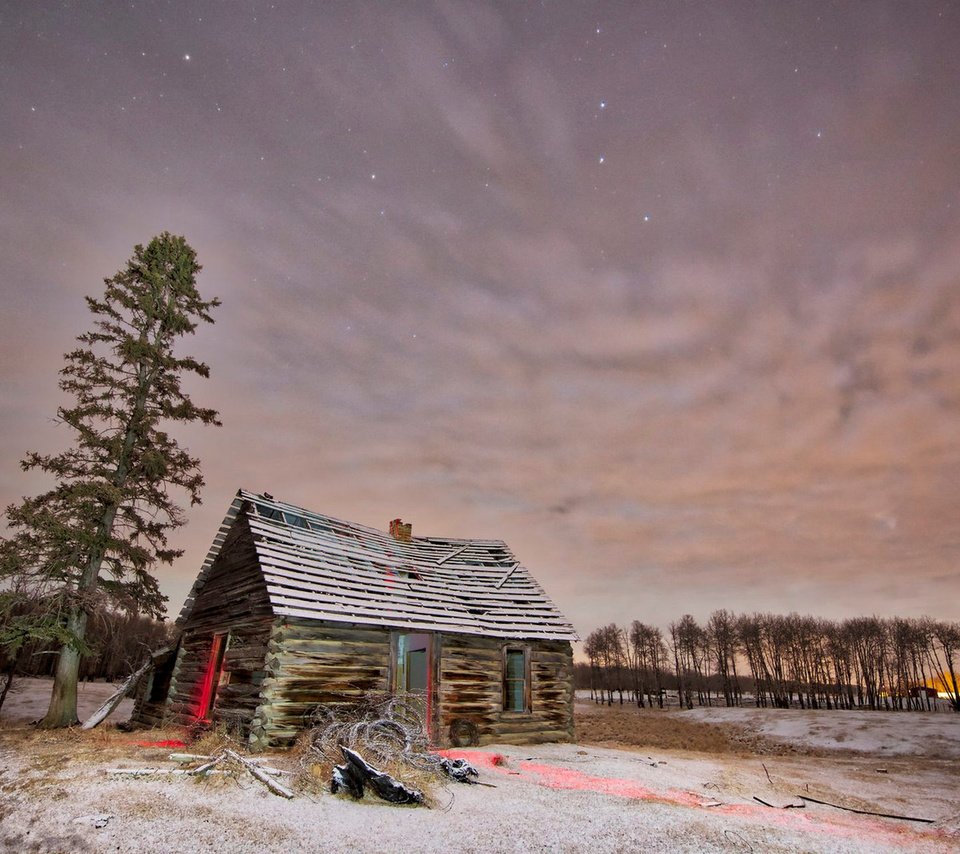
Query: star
x,y
819,134
602,158
603,105
646,217
373,176
186,57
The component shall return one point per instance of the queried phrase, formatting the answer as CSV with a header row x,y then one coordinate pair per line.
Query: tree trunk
x,y
8,682
63,700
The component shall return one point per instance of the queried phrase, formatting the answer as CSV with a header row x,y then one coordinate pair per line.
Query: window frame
x,y
524,650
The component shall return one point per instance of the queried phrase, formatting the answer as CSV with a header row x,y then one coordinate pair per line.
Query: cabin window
x,y
267,512
516,679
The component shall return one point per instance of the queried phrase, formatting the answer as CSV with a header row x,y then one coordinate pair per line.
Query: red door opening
x,y
212,677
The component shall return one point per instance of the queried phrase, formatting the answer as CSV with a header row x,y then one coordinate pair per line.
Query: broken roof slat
x,y
337,566
503,580
454,553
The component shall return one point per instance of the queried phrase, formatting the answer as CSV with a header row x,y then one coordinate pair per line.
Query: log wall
x,y
471,690
311,663
233,599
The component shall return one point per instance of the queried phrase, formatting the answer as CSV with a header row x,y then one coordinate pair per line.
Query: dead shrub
x,y
387,730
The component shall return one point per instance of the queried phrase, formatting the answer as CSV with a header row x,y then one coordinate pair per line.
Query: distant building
x,y
293,609
919,691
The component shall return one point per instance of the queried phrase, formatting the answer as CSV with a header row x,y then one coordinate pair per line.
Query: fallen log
x,y
206,767
260,774
150,772
348,778
867,812
356,773
194,757
706,803
128,684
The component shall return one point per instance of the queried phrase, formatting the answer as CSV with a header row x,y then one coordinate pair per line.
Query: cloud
x,y
714,371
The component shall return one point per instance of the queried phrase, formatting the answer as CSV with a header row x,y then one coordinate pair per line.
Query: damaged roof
x,y
319,567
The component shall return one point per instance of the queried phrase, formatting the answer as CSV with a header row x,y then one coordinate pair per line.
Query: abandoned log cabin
x,y
293,610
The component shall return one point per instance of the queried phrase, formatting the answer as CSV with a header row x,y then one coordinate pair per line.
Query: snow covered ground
x,y
931,734
28,700
562,797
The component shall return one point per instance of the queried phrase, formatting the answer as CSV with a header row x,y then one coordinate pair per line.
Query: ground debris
x,y
387,734
787,805
96,820
867,812
356,773
458,769
226,762
705,803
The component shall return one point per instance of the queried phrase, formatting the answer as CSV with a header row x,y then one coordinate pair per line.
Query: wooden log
x,y
125,688
260,774
388,788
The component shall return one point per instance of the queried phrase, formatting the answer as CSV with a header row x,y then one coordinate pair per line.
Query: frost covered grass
x,y
651,796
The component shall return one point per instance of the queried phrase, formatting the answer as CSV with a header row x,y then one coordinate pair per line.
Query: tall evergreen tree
x,y
98,533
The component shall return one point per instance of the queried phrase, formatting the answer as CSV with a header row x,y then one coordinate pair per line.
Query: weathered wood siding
x,y
310,663
471,689
234,600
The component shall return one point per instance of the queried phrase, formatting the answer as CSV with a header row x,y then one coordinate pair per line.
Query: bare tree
x,y
722,638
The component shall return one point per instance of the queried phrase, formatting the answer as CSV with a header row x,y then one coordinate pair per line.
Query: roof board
x,y
323,568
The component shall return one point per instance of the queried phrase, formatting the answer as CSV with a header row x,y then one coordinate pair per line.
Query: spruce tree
x,y
97,534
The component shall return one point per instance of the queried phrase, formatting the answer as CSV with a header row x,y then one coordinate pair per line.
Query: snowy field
x,y
567,797
931,734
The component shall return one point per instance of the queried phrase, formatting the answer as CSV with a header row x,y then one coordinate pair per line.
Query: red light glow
x,y
168,743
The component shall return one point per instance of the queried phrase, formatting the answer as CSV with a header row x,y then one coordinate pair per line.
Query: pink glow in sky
x,y
665,295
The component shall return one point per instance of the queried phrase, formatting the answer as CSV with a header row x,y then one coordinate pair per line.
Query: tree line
x,y
115,644
772,660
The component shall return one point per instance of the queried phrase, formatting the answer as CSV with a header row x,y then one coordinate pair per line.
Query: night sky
x,y
666,295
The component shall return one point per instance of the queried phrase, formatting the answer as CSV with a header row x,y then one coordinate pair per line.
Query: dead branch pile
x,y
226,763
386,730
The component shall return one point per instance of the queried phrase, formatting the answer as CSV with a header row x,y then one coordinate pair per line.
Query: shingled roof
x,y
318,567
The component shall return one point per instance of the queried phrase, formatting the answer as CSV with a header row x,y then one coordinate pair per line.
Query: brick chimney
x,y
401,530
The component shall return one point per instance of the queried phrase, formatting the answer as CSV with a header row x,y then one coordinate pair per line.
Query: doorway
x,y
413,673
213,677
